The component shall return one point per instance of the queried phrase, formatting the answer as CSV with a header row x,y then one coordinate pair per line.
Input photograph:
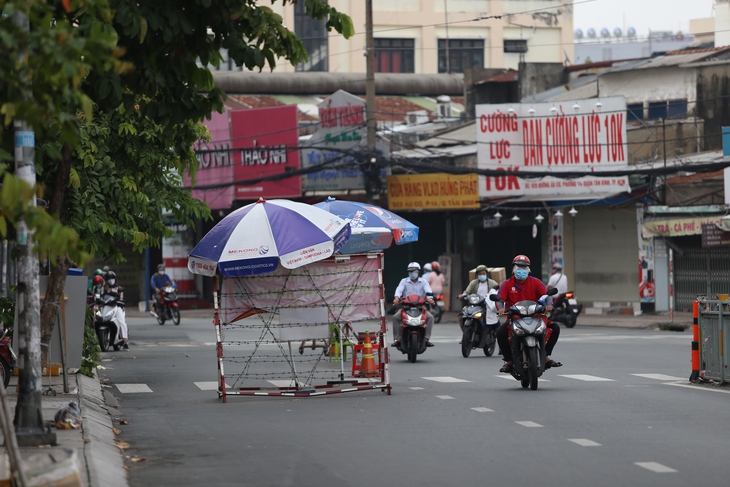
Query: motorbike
x,y
477,334
437,309
528,335
413,326
106,326
168,306
566,309
7,358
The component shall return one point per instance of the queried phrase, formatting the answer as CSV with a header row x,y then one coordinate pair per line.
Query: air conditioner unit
x,y
417,117
444,110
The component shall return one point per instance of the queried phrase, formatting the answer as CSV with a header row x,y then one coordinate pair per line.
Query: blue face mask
x,y
482,278
521,274
413,275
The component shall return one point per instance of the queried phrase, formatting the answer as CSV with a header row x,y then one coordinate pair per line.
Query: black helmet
x,y
111,275
161,267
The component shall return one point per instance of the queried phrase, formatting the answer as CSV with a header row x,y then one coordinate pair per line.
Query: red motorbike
x,y
413,326
7,358
168,306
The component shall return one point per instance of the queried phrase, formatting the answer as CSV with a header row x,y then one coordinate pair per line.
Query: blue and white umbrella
x,y
373,228
257,238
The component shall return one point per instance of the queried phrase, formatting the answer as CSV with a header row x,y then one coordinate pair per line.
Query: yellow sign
x,y
677,227
438,191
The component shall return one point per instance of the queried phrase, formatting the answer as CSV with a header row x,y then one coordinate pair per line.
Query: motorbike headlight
x,y
540,329
517,330
478,315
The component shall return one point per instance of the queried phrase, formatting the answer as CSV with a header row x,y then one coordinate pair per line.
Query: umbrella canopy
x,y
373,228
257,238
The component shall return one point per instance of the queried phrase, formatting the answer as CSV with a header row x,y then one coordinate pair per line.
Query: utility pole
x,y
28,417
446,24
371,170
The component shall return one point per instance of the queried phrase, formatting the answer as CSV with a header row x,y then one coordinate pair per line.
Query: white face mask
x,y
161,272
112,282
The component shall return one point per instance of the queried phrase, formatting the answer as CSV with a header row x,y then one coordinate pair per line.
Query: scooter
x,y
437,309
169,308
477,334
413,326
528,335
106,325
7,358
566,309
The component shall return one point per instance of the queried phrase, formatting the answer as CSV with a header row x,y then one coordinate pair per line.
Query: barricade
x,y
711,341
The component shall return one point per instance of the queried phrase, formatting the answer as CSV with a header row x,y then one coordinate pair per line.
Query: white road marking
x,y
445,397
445,379
584,442
655,467
665,378
132,388
483,410
696,388
529,424
416,388
587,378
207,386
509,377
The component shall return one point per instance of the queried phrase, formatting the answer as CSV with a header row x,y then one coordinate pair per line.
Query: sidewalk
x,y
93,458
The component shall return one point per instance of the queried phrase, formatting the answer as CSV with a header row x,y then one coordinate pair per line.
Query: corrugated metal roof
x,y
666,61
455,151
464,134
576,89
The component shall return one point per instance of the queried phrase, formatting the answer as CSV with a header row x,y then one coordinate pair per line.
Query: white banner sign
x,y
587,136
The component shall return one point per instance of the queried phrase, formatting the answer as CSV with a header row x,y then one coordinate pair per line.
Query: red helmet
x,y
97,280
521,260
435,265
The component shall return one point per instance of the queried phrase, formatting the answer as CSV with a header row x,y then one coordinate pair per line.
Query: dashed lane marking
x,y
483,410
529,424
655,467
133,388
697,388
416,388
445,379
509,377
207,386
584,442
445,397
588,378
665,378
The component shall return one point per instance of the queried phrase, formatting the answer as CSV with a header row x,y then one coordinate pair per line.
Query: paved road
x,y
620,412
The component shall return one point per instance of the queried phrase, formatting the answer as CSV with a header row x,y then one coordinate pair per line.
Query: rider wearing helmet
x,y
427,269
92,286
436,279
158,281
112,287
413,285
521,286
481,285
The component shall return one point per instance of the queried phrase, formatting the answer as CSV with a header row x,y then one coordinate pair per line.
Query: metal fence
x,y
700,272
714,338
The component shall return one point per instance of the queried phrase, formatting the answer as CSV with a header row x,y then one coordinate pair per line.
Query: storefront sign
x,y
586,136
267,141
712,236
214,164
341,132
557,252
433,192
647,286
677,227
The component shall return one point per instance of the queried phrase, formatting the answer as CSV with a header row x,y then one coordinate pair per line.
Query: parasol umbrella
x,y
373,228
257,238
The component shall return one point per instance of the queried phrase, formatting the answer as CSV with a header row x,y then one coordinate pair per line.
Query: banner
x,y
557,251
268,139
677,227
214,164
438,191
341,129
349,289
647,286
587,136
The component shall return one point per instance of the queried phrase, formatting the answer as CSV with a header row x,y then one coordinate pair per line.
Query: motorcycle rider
x,y
436,279
481,285
558,279
427,269
112,288
413,285
520,287
158,281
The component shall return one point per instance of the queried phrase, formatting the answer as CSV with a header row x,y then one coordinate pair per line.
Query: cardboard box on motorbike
x,y
499,274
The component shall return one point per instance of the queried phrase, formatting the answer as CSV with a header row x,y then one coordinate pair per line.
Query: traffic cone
x,y
368,367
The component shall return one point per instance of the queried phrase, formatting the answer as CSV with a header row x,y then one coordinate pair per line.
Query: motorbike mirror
x,y
552,292
494,297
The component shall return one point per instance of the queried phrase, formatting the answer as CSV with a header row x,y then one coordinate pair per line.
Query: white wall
x,y
722,24
644,85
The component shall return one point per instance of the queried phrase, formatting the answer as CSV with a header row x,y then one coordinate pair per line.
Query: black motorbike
x,y
477,334
566,309
436,309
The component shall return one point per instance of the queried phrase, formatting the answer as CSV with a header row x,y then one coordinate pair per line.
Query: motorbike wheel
x,y
534,357
525,383
103,337
161,317
5,370
570,321
466,341
490,346
175,315
413,349
438,313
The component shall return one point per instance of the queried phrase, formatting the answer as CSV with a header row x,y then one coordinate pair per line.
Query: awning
x,y
655,226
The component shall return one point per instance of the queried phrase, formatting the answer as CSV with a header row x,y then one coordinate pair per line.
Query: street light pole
x,y
371,172
28,417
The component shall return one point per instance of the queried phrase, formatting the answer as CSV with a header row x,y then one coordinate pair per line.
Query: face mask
x,y
413,275
112,281
162,273
482,278
521,274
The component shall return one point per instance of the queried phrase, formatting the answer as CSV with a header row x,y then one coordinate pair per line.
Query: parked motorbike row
x,y
527,330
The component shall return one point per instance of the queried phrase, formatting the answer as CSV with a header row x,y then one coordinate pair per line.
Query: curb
x,y
104,461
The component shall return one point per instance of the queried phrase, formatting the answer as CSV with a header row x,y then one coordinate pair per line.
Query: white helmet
x,y
427,267
414,266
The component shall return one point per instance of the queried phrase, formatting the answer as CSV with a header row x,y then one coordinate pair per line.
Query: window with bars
x,y
313,34
462,54
395,55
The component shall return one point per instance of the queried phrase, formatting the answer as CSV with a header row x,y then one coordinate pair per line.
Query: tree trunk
x,y
57,279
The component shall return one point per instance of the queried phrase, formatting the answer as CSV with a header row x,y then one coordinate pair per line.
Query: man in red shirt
x,y
520,287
